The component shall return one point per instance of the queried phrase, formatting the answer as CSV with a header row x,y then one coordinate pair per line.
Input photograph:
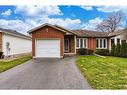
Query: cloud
x,y
24,26
37,15
17,25
33,11
112,8
87,7
67,22
7,13
91,24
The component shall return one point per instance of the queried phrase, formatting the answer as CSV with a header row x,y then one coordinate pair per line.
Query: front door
x,y
66,45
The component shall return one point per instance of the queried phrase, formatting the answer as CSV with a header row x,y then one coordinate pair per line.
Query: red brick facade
x,y
48,32
71,43
91,43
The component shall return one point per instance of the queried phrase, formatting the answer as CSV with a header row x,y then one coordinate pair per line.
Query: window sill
x,y
101,48
79,48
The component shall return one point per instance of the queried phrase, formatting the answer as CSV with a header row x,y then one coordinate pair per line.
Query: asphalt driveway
x,y
44,74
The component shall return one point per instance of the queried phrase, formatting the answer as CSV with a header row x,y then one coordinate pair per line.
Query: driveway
x,y
44,74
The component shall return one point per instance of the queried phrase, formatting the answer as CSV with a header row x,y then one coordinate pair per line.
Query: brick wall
x,y
48,32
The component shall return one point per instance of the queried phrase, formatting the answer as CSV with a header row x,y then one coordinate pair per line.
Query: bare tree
x,y
112,23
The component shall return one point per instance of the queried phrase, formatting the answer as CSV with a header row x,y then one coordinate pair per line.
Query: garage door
x,y
48,48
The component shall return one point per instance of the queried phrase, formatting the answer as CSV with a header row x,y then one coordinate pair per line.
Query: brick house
x,y
55,41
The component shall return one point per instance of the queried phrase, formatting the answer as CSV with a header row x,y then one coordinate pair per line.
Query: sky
x,y
24,18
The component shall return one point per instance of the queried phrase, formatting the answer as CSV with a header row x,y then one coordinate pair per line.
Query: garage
x,y
48,48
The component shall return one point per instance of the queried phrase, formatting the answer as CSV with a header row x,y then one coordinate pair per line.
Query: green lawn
x,y
104,73
9,64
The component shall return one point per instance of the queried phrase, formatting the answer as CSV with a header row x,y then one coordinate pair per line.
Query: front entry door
x,y
66,45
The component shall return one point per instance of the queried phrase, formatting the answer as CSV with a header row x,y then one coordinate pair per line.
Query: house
x,y
14,43
55,41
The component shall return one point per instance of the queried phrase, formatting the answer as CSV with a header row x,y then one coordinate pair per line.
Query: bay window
x,y
81,43
101,43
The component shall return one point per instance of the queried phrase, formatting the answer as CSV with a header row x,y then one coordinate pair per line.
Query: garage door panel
x,y
48,48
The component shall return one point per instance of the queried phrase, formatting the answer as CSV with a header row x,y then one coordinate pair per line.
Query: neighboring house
x,y
55,41
14,43
118,37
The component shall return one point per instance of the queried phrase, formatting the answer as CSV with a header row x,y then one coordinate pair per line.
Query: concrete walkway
x,y
44,74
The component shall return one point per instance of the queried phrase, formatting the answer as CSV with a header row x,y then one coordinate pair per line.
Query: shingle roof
x,y
88,33
118,32
81,33
13,32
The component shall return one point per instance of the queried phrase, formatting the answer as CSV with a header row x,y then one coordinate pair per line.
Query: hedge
x,y
84,51
104,52
119,50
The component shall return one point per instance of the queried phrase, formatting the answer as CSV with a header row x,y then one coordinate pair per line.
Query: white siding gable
x,y
17,45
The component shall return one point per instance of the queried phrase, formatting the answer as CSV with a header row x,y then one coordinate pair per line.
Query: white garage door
x,y
48,48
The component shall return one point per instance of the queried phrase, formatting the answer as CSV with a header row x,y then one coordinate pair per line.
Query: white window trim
x,y
102,43
82,43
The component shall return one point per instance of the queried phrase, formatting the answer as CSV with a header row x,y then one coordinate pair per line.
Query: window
x,y
118,40
97,43
77,44
123,41
112,41
81,43
104,43
101,43
84,42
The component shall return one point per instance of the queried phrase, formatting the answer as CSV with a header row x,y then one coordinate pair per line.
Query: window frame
x,y
84,45
102,43
118,39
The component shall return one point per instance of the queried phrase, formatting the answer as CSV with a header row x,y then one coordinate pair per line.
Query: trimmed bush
x,y
1,54
113,49
84,51
104,52
89,51
117,50
123,50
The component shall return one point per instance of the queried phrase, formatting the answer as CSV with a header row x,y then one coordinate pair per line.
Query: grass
x,y
104,73
9,64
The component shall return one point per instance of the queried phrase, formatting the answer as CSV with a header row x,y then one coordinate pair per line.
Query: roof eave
x,y
32,30
57,27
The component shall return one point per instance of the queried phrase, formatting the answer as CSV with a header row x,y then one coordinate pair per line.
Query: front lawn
x,y
9,64
104,73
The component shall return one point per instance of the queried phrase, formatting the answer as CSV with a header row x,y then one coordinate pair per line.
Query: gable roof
x,y
81,33
53,26
14,33
118,32
88,33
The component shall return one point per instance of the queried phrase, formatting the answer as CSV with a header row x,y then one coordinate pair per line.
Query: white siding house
x,y
17,45
14,43
118,38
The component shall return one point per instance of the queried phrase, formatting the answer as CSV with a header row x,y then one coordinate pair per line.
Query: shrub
x,y
104,52
1,54
113,49
89,51
117,50
123,50
84,51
